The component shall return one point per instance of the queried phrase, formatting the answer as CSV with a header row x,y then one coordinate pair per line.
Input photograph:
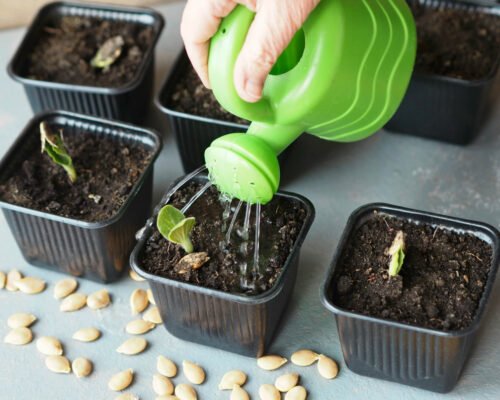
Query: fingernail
x,y
253,90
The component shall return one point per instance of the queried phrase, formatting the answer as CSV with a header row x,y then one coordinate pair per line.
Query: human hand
x,y
273,28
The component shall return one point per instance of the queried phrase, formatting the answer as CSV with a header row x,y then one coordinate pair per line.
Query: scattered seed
x,y
58,364
296,393
121,380
232,378
65,287
286,382
12,277
20,320
185,392
139,326
132,346
49,346
30,285
135,276
269,392
81,367
194,373
73,302
3,279
166,367
19,336
87,334
98,300
304,358
126,396
272,362
239,393
138,301
153,315
151,299
327,367
167,397
162,386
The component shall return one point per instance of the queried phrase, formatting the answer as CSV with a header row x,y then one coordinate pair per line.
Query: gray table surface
x,y
460,181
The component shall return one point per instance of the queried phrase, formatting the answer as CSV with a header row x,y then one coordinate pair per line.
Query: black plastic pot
x,y
425,358
193,133
233,322
94,250
443,108
129,102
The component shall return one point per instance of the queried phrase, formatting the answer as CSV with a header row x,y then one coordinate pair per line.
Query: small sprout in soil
x,y
53,145
175,227
108,53
397,253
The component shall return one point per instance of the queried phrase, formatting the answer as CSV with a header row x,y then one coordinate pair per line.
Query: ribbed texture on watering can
x,y
441,108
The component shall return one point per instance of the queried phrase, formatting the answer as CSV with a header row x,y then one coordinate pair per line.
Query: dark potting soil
x,y
106,172
439,286
456,43
191,97
64,50
280,224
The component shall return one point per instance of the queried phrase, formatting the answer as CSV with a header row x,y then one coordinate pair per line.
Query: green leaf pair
x,y
175,227
53,145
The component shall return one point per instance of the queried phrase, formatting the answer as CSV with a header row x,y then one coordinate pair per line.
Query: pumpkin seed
x,y
166,367
135,276
269,392
193,372
12,277
239,393
49,346
20,320
138,301
19,336
139,326
286,382
87,334
296,393
132,346
162,386
58,364
121,380
3,279
153,315
98,300
271,362
151,299
126,396
65,287
168,397
30,285
73,302
81,367
232,378
304,358
185,392
327,367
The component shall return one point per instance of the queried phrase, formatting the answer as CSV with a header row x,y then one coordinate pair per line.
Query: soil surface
x,y
280,224
456,43
64,51
106,172
439,286
191,97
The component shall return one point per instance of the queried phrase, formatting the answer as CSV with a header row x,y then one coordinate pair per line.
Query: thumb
x,y
274,26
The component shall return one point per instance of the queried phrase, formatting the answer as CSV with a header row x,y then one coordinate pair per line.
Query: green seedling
x,y
53,145
397,253
108,53
175,227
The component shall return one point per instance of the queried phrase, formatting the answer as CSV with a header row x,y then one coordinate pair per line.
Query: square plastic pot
x,y
232,322
93,250
193,133
425,358
443,108
129,102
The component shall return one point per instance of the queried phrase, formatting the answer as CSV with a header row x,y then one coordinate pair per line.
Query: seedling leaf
x,y
396,251
108,53
175,227
53,145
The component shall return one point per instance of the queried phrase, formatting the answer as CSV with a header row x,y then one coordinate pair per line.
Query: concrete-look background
x,y
412,172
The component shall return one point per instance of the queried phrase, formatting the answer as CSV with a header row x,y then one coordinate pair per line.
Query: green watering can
x,y
342,77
